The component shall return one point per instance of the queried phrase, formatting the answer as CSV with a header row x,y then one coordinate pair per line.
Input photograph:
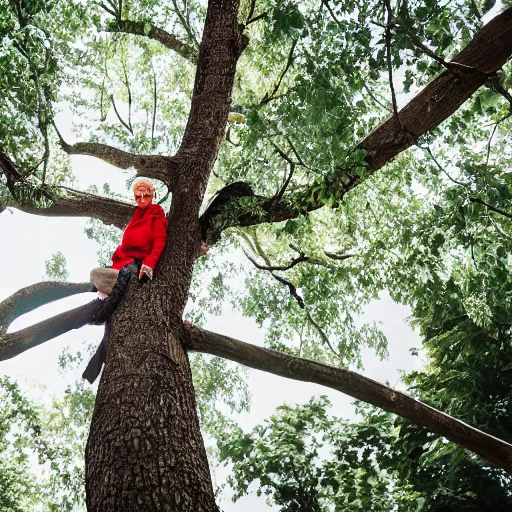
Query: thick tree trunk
x,y
145,450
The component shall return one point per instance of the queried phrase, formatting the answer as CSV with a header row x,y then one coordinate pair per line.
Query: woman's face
x,y
143,197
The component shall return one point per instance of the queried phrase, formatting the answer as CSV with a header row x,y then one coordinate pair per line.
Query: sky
x,y
34,239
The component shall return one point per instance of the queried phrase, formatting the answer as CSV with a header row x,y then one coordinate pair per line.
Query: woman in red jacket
x,y
143,240
145,236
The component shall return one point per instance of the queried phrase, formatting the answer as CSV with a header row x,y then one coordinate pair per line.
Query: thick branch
x,y
17,342
80,204
159,167
141,28
489,50
29,298
492,449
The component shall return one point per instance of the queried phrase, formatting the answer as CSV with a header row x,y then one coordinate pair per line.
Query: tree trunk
x,y
145,450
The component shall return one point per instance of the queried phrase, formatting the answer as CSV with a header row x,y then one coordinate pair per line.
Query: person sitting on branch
x,y
143,242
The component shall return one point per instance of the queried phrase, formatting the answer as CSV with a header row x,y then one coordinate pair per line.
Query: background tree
x,y
310,128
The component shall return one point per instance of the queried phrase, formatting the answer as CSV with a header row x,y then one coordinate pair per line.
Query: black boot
x,y
95,364
106,307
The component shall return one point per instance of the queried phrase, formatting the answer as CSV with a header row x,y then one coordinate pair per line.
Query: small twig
x,y
293,290
32,169
441,168
154,107
282,190
251,11
339,257
127,85
390,64
261,16
302,258
322,334
295,152
336,20
128,127
374,98
490,207
105,8
267,98
185,23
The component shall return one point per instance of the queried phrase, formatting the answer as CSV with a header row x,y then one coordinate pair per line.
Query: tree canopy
x,y
327,152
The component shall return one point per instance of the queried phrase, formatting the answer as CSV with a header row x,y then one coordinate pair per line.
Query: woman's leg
x,y
104,279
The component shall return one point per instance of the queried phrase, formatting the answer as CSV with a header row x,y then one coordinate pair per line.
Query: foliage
x,y
311,84
56,267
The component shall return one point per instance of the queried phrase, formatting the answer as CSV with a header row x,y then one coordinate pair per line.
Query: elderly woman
x,y
143,240
141,247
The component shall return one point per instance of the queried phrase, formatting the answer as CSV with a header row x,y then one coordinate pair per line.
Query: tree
x,y
303,143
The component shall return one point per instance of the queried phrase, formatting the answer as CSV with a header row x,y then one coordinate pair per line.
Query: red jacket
x,y
143,238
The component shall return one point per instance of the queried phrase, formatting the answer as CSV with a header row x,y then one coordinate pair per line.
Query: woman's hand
x,y
203,249
146,270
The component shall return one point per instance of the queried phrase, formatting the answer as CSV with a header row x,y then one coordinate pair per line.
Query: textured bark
x,y
141,28
82,204
159,167
145,450
494,450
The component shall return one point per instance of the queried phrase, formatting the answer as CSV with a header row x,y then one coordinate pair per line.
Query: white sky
x,y
33,239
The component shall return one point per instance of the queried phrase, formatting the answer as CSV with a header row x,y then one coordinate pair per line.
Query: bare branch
x,y
66,202
159,167
154,107
492,449
341,257
296,261
18,342
126,125
269,97
36,295
149,30
390,64
261,16
490,207
322,334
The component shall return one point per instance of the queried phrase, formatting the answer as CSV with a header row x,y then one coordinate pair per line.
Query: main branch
x,y
489,50
26,300
160,167
492,449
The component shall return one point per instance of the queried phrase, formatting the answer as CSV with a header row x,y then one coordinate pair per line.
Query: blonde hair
x,y
144,184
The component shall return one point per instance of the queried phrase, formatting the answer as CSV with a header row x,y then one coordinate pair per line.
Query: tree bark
x,y
82,204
